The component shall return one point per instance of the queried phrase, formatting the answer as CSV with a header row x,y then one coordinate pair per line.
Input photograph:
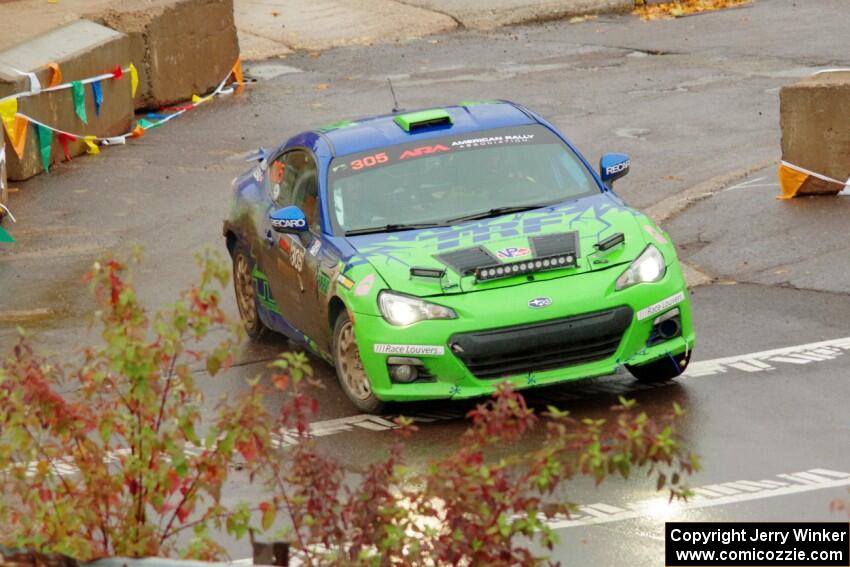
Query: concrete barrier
x,y
82,49
815,121
180,47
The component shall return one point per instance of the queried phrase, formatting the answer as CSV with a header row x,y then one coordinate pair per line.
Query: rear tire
x,y
246,292
349,368
661,370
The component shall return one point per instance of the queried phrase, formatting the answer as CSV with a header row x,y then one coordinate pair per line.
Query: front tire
x,y
246,292
661,370
349,368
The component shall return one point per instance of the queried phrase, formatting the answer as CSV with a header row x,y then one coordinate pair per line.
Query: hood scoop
x,y
553,244
465,261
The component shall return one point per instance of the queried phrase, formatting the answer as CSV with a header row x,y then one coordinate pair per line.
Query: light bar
x,y
497,271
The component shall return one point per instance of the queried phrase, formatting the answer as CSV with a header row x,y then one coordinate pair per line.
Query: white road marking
x,y
809,353
750,363
709,496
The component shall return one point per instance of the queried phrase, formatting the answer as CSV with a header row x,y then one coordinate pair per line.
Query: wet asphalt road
x,y
692,100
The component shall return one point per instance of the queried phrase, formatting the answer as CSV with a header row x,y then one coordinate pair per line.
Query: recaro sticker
x,y
661,306
416,350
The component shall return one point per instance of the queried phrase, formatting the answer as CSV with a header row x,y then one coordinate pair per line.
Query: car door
x,y
294,180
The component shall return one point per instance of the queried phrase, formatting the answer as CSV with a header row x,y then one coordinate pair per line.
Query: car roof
x,y
353,136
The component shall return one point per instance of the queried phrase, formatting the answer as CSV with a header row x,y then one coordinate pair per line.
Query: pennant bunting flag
x,y
35,84
8,109
5,236
45,142
134,80
97,93
137,132
91,147
116,141
79,100
118,72
63,140
19,142
237,74
795,180
55,74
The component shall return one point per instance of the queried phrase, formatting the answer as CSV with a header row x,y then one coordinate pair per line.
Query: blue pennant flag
x,y
98,96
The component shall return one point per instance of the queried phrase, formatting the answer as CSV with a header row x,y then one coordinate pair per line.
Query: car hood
x,y
505,237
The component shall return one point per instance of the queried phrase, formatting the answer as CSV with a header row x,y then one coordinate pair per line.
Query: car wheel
x,y
662,369
246,292
349,368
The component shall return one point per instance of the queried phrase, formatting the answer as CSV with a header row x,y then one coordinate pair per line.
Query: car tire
x,y
349,368
661,370
246,292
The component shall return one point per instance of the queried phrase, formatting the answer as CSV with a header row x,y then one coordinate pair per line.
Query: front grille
x,y
542,346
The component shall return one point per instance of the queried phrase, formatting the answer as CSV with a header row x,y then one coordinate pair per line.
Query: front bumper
x,y
589,329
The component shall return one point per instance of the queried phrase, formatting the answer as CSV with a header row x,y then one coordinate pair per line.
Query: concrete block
x,y
82,49
815,121
180,47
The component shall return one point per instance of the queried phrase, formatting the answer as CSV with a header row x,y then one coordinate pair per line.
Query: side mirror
x,y
613,166
288,220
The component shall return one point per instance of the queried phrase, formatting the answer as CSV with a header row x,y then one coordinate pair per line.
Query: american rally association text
x,y
757,534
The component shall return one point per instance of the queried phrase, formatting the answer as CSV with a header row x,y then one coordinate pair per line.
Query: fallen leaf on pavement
x,y
679,8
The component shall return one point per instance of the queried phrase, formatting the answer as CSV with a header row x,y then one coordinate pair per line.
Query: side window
x,y
294,181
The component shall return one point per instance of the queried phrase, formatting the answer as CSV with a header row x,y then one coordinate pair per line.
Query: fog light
x,y
404,373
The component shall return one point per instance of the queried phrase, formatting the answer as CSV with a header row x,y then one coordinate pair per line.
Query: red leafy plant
x,y
475,506
114,464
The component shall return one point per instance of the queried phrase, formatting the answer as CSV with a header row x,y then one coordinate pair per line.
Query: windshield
x,y
441,179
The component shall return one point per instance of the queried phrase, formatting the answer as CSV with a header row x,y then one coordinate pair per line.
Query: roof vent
x,y
423,119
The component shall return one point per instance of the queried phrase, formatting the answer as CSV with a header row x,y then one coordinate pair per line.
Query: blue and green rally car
x,y
433,254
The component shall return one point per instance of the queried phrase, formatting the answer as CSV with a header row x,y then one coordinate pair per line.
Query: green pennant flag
x,y
45,141
79,100
5,236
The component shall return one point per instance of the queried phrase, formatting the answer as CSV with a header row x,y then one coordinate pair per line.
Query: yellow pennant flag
x,y
790,181
91,146
8,109
196,100
134,79
20,139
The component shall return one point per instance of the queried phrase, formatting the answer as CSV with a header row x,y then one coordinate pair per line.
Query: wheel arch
x,y
335,308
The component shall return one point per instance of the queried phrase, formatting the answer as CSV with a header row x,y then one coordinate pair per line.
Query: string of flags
x,y
17,123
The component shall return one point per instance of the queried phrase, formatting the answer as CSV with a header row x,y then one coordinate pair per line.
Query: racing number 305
x,y
369,161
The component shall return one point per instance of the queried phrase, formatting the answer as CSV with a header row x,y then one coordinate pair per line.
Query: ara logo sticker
x,y
365,285
324,282
423,151
513,252
539,302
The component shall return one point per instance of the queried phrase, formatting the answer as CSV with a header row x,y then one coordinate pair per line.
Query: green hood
x,y
592,218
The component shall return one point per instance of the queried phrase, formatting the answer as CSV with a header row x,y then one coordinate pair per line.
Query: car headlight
x,y
648,267
403,310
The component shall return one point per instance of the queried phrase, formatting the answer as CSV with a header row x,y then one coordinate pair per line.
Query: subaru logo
x,y
539,302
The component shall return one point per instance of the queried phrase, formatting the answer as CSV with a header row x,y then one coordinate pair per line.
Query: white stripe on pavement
x,y
659,508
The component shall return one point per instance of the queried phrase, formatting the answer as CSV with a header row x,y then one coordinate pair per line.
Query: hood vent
x,y
465,261
554,244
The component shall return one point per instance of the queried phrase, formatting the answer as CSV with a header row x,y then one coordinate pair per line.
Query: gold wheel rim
x,y
245,292
349,364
